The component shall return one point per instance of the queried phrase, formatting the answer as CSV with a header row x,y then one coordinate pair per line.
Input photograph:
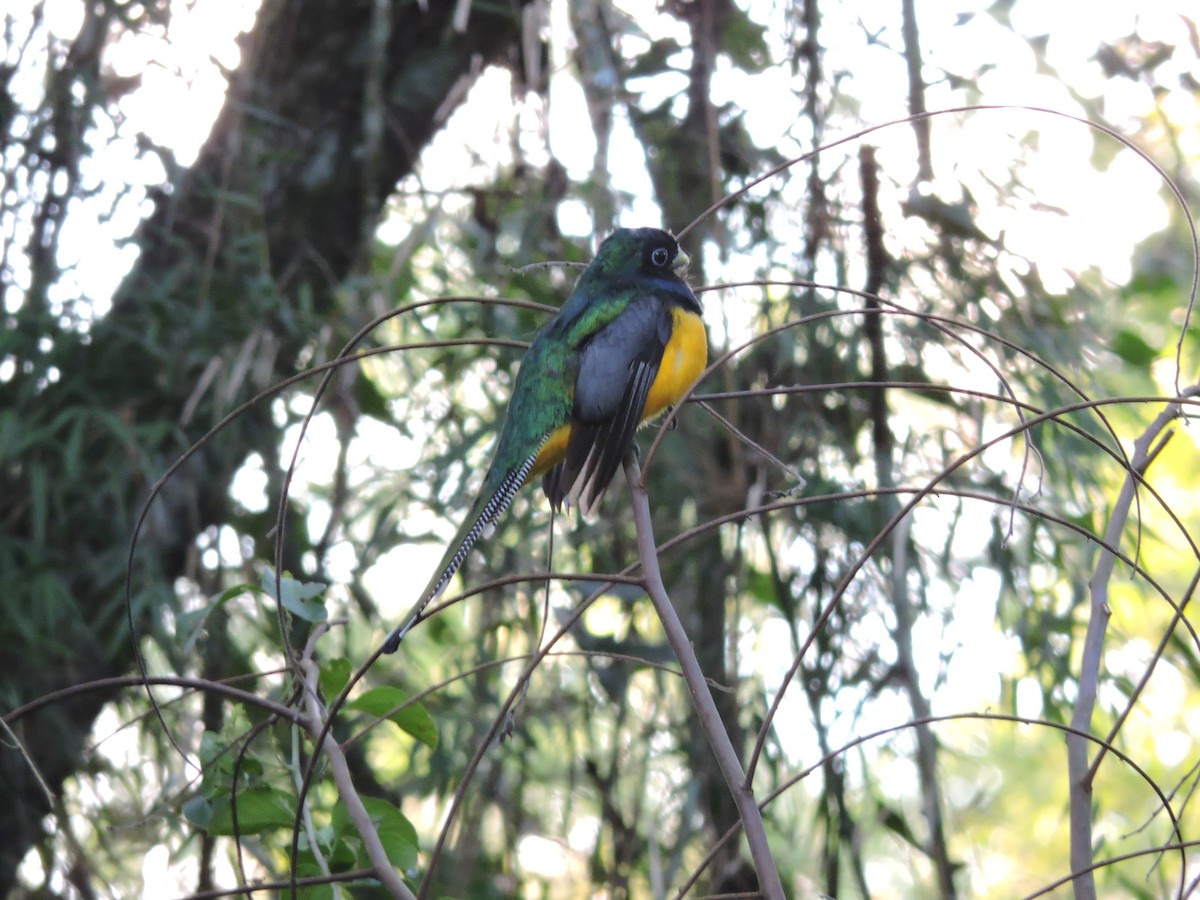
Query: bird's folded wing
x,y
603,446
617,368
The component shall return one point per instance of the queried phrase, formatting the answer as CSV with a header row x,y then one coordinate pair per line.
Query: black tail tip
x,y
393,642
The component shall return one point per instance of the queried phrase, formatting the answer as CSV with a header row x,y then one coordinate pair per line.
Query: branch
x,y
1079,772
916,90
702,700
383,868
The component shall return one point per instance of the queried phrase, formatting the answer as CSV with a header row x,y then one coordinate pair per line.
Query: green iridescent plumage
x,y
582,388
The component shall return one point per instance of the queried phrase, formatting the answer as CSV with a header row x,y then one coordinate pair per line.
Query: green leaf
x,y
342,854
396,833
334,675
258,810
371,401
248,766
300,598
743,39
199,811
188,624
413,718
1132,348
896,823
211,746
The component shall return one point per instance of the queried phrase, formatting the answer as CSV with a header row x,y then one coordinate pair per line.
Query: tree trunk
x,y
331,106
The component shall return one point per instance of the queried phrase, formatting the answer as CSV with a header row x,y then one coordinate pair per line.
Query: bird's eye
x,y
659,256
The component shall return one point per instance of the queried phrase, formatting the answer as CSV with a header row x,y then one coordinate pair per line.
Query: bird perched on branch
x,y
625,347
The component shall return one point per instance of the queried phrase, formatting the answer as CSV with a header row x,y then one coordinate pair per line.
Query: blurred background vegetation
x,y
900,301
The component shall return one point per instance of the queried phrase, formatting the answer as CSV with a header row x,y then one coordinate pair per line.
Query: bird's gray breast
x,y
636,337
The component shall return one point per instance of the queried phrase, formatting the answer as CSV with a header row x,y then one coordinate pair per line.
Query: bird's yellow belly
x,y
684,358
552,453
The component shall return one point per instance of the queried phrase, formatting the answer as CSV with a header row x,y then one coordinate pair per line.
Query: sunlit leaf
x,y
301,598
334,675
393,704
396,833
188,625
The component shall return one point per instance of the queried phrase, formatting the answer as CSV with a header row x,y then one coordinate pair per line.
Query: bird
x,y
627,345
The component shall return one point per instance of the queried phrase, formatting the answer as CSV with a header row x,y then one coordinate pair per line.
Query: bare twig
x,y
798,480
347,793
770,886
264,887
548,264
1080,771
916,90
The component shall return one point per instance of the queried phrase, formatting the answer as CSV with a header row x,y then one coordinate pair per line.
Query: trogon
x,y
626,345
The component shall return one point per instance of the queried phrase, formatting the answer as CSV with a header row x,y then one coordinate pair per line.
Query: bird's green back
x,y
544,392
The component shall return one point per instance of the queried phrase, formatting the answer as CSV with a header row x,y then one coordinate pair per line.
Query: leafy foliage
x,y
884,517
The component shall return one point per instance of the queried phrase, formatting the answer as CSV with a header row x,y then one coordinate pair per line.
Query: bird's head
x,y
640,252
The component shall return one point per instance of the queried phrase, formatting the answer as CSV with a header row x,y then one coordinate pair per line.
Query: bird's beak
x,y
682,261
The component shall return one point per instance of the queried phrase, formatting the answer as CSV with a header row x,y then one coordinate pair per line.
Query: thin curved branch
x,y
702,700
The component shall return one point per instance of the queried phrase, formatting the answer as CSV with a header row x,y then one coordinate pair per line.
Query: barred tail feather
x,y
479,523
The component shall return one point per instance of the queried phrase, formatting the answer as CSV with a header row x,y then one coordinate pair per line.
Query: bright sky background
x,y
182,90
1108,212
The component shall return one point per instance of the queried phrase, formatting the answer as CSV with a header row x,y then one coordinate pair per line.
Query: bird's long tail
x,y
487,508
